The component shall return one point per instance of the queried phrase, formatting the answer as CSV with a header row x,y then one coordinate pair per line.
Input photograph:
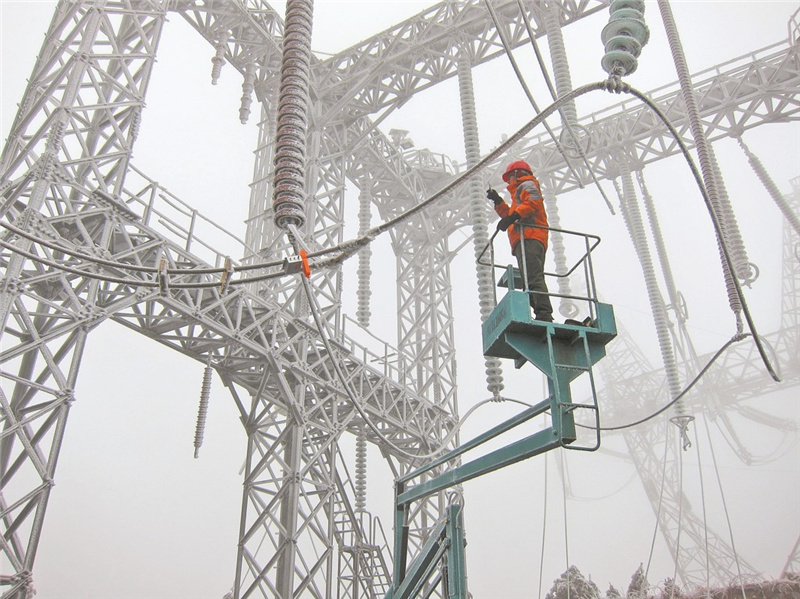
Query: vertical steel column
x,y
284,579
68,149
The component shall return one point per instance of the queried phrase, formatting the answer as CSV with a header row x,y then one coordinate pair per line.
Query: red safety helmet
x,y
519,165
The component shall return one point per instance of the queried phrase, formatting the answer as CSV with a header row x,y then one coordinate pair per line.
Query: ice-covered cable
x,y
680,395
348,248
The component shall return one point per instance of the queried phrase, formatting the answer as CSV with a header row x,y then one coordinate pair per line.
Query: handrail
x,y
585,259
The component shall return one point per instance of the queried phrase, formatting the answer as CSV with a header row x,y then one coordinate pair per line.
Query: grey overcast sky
x,y
133,515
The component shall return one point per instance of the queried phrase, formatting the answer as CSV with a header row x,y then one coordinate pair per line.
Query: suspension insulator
x,y
290,135
361,472
202,410
218,61
248,85
364,272
478,211
635,225
624,37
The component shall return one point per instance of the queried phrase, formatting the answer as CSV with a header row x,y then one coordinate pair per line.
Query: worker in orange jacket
x,y
527,208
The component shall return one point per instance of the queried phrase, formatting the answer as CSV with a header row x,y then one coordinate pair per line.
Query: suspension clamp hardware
x,y
163,277
297,264
225,280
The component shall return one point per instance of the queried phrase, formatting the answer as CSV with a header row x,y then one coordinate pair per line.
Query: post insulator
x,y
624,37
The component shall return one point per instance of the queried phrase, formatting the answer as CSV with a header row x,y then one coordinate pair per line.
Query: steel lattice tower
x,y
84,242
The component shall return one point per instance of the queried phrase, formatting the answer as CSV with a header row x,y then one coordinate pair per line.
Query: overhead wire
x,y
680,395
567,125
325,336
527,90
703,505
724,502
660,501
349,248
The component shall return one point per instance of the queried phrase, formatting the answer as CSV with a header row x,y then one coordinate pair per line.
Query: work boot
x,y
586,322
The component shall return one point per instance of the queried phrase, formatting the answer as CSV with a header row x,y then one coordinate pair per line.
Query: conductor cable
x,y
324,335
678,397
349,248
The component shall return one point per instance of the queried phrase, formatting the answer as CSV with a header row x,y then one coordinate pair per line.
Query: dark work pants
x,y
534,267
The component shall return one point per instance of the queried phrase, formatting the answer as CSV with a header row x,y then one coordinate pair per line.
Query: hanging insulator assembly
x,y
361,472
290,135
248,85
364,272
218,61
202,410
624,37
478,213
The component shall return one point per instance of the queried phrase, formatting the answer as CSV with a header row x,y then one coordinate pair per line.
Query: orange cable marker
x,y
306,267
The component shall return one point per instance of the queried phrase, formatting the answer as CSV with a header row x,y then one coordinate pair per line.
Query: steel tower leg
x,y
66,157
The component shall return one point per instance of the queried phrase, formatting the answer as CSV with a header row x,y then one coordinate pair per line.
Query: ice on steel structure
x,y
87,237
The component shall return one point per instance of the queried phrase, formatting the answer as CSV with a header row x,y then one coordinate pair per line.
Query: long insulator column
x,y
202,410
703,147
563,81
364,272
290,152
744,269
635,226
771,188
361,472
478,213
558,54
661,250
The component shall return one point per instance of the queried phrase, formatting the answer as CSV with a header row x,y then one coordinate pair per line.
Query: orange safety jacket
x,y
527,201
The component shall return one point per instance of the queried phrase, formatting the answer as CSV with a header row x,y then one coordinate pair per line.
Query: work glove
x,y
507,221
494,196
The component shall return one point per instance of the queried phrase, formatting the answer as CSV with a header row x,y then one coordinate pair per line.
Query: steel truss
x,y
66,178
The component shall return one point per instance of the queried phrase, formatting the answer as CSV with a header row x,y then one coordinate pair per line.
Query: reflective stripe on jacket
x,y
527,201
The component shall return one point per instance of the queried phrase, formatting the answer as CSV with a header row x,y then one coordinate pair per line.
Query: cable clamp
x,y
296,264
225,280
163,277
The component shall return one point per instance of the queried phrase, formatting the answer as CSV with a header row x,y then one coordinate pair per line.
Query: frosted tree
x,y
637,589
572,585
613,593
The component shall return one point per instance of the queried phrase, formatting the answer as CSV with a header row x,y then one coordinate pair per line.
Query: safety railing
x,y
576,243
167,215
